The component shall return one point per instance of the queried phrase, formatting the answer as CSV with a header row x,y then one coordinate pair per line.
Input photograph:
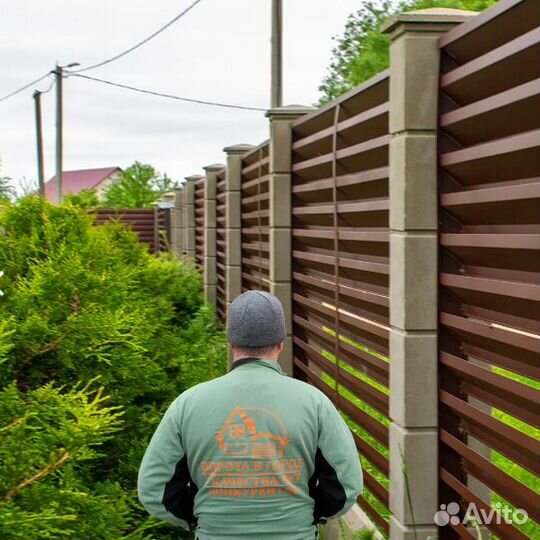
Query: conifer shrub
x,y
97,337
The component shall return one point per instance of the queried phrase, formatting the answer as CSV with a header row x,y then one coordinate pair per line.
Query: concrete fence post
x,y
233,221
210,273
177,234
280,219
189,202
414,88
183,220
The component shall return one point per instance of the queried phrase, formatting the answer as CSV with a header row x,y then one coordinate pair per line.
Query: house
x,y
76,181
257,433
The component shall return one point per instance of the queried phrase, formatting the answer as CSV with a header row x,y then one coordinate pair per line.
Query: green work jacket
x,y
253,454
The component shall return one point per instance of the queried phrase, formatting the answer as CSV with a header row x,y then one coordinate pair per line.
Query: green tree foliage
x,y
362,51
87,198
7,192
87,308
138,187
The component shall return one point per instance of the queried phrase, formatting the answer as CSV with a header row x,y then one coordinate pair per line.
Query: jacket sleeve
x,y
164,485
337,479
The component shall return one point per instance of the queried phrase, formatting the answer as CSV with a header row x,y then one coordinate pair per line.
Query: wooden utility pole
x,y
39,143
276,92
59,132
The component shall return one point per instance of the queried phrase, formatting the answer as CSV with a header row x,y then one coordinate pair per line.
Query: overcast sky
x,y
220,51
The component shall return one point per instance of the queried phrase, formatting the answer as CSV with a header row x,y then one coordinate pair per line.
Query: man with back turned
x,y
254,454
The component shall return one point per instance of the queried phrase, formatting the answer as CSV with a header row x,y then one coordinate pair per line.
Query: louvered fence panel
x,y
199,222
221,296
489,180
341,270
255,213
152,226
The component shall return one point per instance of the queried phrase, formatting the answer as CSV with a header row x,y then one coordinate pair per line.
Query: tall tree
x,y
7,192
5,189
139,186
362,50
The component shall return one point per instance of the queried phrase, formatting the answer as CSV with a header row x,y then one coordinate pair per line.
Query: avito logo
x,y
448,514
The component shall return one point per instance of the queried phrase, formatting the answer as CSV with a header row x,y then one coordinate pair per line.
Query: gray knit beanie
x,y
256,319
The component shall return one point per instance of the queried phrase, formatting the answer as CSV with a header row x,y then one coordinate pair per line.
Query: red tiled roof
x,y
75,181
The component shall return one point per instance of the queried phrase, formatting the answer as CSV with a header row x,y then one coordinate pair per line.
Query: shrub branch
x,y
37,477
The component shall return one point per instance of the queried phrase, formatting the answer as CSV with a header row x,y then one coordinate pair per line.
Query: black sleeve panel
x,y
179,494
325,489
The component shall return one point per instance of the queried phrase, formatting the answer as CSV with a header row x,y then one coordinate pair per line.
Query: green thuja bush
x,y
47,435
88,312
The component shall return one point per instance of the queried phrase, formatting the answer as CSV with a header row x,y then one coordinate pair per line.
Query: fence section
x,y
152,226
221,297
199,222
255,214
489,181
340,250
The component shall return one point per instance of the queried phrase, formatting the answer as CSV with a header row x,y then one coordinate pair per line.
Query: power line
x,y
116,57
24,87
49,88
170,96
146,40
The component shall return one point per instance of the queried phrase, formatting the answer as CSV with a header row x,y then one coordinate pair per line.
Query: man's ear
x,y
281,346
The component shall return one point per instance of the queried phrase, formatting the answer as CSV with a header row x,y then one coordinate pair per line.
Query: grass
x,y
531,529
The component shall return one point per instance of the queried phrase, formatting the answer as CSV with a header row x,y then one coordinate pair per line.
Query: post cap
x,y
430,17
214,167
289,112
194,177
241,148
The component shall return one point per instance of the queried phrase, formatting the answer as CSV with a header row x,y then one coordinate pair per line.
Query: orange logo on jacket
x,y
240,435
